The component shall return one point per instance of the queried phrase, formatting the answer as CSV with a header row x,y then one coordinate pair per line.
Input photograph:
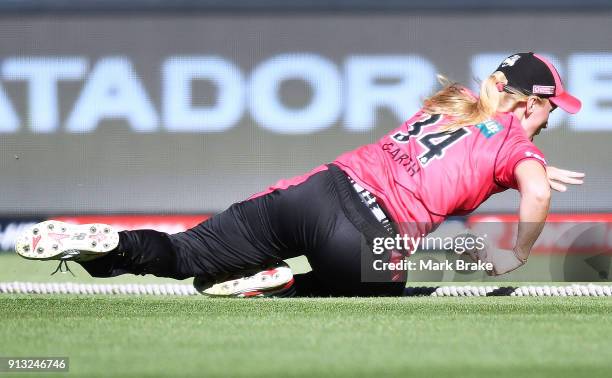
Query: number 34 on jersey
x,y
434,143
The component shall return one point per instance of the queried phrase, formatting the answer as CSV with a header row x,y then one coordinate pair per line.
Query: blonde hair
x,y
465,109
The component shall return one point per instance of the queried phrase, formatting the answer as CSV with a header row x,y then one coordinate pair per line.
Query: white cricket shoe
x,y
273,282
55,240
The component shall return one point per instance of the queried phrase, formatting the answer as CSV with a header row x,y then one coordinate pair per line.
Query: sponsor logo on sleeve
x,y
534,155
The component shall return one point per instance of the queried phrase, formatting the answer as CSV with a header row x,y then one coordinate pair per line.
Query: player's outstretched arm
x,y
535,201
557,177
533,210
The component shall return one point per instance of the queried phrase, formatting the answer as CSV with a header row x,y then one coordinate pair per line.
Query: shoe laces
x,y
62,267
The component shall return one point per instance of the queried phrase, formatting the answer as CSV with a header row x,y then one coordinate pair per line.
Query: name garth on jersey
x,y
410,165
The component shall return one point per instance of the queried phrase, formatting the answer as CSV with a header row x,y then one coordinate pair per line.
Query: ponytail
x,y
465,109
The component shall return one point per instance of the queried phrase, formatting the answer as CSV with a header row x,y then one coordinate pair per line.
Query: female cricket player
x,y
447,159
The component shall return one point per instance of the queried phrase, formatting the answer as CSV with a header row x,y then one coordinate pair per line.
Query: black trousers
x,y
323,218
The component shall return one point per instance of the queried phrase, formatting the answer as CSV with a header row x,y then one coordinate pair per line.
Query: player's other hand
x,y
502,260
477,254
558,177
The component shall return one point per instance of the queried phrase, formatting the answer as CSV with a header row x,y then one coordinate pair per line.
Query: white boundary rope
x,y
576,290
564,291
109,289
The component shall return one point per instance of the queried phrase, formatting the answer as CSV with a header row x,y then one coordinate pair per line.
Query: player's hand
x,y
481,255
502,260
477,254
558,177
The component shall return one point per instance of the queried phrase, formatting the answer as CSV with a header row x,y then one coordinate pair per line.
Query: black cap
x,y
532,74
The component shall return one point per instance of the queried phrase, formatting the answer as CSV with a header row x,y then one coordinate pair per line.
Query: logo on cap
x,y
543,89
509,61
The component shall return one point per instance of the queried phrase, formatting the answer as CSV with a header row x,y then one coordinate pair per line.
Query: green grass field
x,y
430,337
196,336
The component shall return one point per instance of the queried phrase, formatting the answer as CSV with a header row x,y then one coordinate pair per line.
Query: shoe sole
x,y
49,240
271,282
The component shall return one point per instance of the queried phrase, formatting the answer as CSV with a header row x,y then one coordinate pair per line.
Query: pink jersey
x,y
423,175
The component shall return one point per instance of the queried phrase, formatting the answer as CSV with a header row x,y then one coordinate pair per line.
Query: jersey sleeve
x,y
512,152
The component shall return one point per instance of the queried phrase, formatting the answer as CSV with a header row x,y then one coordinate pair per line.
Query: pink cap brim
x,y
567,102
563,99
